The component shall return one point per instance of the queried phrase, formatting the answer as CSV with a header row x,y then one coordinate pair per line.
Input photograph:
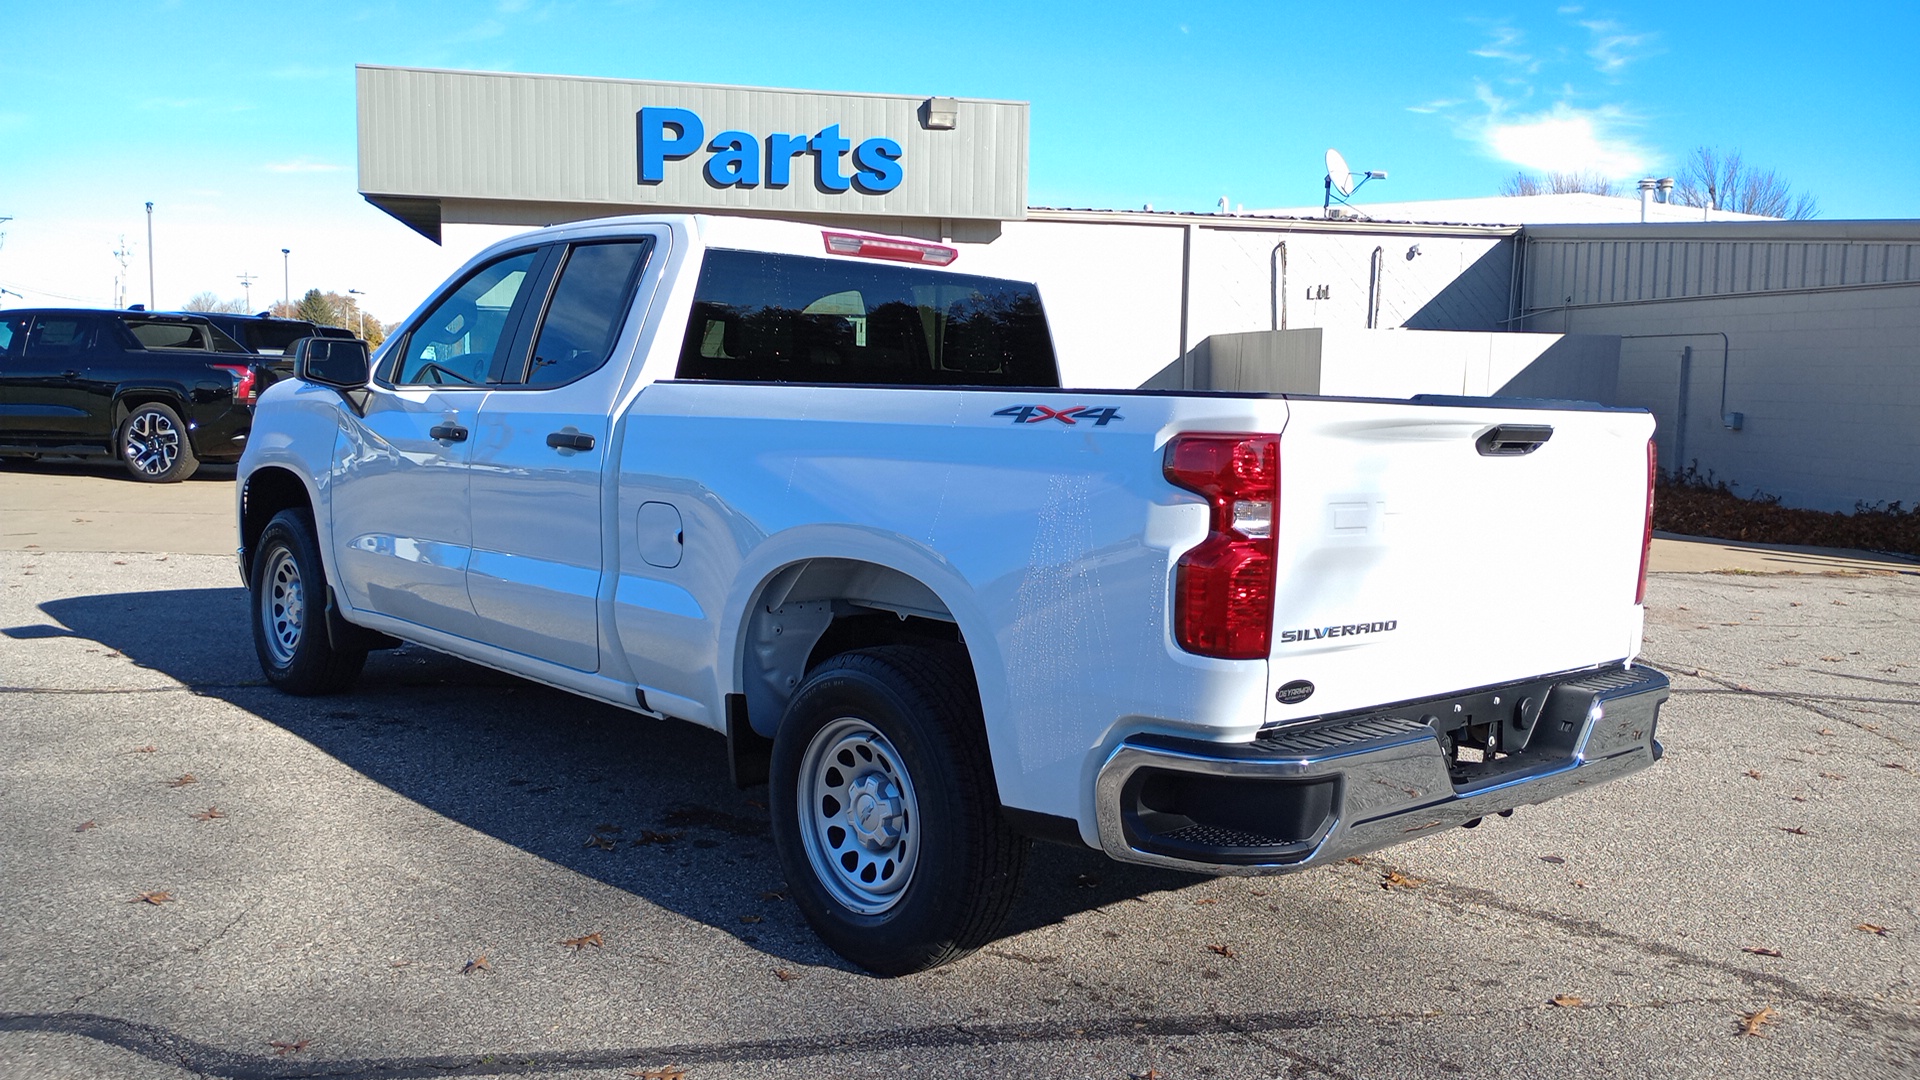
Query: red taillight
x,y
1646,535
873,247
245,388
1223,588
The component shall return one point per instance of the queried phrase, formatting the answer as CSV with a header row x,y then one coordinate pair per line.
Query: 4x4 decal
x,y
1034,414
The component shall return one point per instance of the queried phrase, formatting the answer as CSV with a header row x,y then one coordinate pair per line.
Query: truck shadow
x,y
642,805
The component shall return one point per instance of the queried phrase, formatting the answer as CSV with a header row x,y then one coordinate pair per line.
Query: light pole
x,y
358,311
286,279
150,301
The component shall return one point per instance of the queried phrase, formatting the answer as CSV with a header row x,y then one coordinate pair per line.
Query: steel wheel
x,y
152,442
283,606
859,819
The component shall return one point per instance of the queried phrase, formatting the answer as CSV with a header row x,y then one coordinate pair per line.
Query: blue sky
x,y
238,122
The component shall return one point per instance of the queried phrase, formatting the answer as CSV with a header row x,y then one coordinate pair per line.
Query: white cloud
x,y
1566,140
1504,46
1613,48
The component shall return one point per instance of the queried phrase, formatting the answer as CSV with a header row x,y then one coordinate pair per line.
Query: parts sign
x,y
735,157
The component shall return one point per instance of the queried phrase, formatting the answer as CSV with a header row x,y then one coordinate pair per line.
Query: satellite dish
x,y
1338,174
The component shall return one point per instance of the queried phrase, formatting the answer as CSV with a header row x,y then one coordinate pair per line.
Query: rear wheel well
x,y
813,611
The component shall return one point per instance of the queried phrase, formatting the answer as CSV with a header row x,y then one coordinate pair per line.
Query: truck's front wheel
x,y
290,612
885,812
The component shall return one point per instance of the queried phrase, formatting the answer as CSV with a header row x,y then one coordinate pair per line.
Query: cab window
x,y
584,317
454,344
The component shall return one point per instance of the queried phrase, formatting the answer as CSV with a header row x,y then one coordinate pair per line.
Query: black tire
x,y
290,612
154,445
908,717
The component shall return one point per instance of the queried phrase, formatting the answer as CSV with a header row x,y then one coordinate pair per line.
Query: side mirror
x,y
342,363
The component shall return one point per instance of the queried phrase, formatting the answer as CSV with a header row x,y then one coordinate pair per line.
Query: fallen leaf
x,y
1794,829
1878,931
648,836
773,894
1396,878
1222,950
578,943
1834,659
1831,776
1356,860
1760,950
183,780
750,919
1750,1023
1826,731
669,1072
1567,1001
1207,900
211,813
600,842
1085,881
478,963
784,975
1554,859
1894,765
1753,774
147,749
282,1049
86,825
1150,1074
154,898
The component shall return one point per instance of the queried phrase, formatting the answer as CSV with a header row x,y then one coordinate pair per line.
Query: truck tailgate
x,y
1417,558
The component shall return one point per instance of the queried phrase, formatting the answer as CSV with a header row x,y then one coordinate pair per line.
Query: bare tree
x,y
1557,183
1722,181
208,301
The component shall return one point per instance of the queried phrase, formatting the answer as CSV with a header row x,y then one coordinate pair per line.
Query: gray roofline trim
x,y
815,92
1895,229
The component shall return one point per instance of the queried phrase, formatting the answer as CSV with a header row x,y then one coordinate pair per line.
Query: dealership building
x,y
1783,357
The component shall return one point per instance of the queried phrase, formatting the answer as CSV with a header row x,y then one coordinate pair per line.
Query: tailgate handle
x,y
1513,440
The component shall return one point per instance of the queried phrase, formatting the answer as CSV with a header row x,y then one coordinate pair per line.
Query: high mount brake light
x,y
1646,535
245,385
1223,588
872,247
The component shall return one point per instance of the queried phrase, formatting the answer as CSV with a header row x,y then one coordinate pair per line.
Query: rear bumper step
x,y
1318,793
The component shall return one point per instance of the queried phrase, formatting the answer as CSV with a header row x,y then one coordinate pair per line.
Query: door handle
x,y
449,432
570,440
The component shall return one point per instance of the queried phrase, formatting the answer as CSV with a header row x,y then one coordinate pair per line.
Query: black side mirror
x,y
342,363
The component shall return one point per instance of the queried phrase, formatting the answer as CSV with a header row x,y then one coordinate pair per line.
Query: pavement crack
x,y
1465,898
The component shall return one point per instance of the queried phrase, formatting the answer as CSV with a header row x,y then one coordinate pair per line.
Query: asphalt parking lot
x,y
451,872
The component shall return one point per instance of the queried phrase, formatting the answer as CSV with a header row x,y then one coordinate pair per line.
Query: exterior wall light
x,y
939,114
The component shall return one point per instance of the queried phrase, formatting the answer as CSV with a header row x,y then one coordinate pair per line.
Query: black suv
x,y
162,392
267,335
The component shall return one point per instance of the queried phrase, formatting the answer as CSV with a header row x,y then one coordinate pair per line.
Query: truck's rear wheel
x,y
885,812
154,445
290,612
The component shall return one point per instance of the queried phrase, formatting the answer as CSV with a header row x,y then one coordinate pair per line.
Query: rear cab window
x,y
167,334
795,318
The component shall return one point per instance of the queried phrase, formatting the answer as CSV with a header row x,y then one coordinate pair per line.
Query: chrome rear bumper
x,y
1330,789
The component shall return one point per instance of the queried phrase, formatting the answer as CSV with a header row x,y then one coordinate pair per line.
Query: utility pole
x,y
246,288
150,292
120,279
286,278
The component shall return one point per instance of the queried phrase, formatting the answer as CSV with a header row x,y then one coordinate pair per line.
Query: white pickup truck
x,y
821,491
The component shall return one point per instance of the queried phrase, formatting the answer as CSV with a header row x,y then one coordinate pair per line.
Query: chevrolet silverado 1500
x,y
821,491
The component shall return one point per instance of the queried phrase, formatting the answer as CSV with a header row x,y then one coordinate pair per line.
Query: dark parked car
x,y
267,335
161,392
